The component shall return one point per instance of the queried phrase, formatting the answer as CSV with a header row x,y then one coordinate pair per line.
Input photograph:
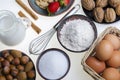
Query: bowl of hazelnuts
x,y
102,11
16,65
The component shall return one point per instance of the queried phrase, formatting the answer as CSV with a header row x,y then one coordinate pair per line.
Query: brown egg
x,y
111,74
104,50
114,40
97,65
114,61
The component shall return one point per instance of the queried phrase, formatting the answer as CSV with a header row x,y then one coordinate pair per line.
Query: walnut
x,y
101,3
114,3
88,4
98,14
110,15
117,10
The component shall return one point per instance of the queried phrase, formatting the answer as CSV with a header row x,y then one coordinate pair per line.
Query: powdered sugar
x,y
77,35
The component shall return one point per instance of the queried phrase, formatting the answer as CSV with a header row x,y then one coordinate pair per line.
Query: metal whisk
x,y
39,44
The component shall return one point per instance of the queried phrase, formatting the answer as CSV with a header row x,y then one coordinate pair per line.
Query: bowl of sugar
x,y
76,33
53,64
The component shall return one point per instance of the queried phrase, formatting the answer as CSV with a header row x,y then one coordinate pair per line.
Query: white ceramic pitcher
x,y
12,29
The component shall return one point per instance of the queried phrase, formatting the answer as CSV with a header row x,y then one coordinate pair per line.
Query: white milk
x,y
12,30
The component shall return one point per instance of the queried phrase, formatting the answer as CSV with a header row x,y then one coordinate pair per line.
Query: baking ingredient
x,y
110,15
114,3
31,74
53,65
6,70
88,4
64,3
76,35
5,63
28,66
9,77
2,77
97,65
101,3
98,13
22,76
104,50
10,58
5,53
117,10
114,61
16,61
20,67
14,72
53,7
16,53
113,39
111,74
24,59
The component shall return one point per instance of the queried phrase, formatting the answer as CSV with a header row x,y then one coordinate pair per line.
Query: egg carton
x,y
91,51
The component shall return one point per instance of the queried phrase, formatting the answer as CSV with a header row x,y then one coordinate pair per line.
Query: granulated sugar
x,y
77,35
53,65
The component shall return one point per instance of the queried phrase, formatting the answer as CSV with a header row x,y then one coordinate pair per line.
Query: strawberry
x,y
53,7
64,3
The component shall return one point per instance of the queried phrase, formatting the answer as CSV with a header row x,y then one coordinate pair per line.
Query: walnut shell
x,y
101,3
110,15
88,4
117,10
114,3
98,14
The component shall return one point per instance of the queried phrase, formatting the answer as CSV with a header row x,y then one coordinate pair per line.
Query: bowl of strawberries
x,y
50,7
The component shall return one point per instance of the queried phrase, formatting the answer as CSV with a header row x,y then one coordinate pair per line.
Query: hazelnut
x,y
110,15
101,3
88,4
16,61
31,74
10,58
6,70
2,77
98,14
14,72
5,53
117,10
114,3
9,77
5,63
24,59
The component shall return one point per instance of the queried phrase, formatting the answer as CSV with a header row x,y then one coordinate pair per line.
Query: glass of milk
x,y
12,29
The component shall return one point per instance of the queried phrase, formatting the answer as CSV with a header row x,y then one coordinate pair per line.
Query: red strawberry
x,y
53,7
64,3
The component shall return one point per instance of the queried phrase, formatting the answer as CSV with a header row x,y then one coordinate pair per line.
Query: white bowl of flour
x,y
76,33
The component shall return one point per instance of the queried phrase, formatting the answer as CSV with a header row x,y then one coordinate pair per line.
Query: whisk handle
x,y
72,11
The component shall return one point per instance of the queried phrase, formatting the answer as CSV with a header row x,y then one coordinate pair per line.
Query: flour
x,y
53,65
77,35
